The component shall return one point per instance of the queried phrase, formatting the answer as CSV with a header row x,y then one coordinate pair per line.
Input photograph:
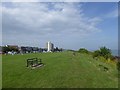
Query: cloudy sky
x,y
67,25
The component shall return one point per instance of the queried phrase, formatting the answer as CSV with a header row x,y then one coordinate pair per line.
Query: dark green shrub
x,y
83,50
104,52
96,53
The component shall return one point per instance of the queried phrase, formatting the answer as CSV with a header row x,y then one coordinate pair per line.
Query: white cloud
x,y
112,14
30,21
60,0
20,0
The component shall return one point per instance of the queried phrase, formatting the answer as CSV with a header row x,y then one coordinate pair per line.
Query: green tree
x,y
96,53
5,49
105,52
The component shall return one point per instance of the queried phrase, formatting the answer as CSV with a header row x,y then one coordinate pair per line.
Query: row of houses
x,y
31,49
15,49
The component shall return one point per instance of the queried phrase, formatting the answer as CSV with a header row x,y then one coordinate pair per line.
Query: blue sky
x,y
68,25
109,25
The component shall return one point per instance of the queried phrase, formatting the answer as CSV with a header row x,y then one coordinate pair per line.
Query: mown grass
x,y
61,70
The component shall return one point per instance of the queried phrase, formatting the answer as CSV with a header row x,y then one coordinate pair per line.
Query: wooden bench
x,y
33,62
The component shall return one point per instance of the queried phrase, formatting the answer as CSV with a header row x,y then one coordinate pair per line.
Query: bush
x,y
104,52
83,50
96,53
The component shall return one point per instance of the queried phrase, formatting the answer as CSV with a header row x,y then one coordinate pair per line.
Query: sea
x,y
115,52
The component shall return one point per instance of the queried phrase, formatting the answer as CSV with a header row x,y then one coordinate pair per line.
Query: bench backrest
x,y
32,59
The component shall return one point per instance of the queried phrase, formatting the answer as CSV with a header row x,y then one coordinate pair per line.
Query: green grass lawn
x,y
61,70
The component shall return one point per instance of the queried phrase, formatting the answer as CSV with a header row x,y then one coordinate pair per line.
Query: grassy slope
x,y
60,70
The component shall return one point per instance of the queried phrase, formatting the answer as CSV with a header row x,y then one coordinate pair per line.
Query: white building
x,y
50,46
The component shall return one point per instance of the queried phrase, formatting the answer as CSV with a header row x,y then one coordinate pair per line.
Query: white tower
x,y
50,46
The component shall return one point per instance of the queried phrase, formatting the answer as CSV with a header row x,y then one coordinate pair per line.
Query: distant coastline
x,y
114,52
